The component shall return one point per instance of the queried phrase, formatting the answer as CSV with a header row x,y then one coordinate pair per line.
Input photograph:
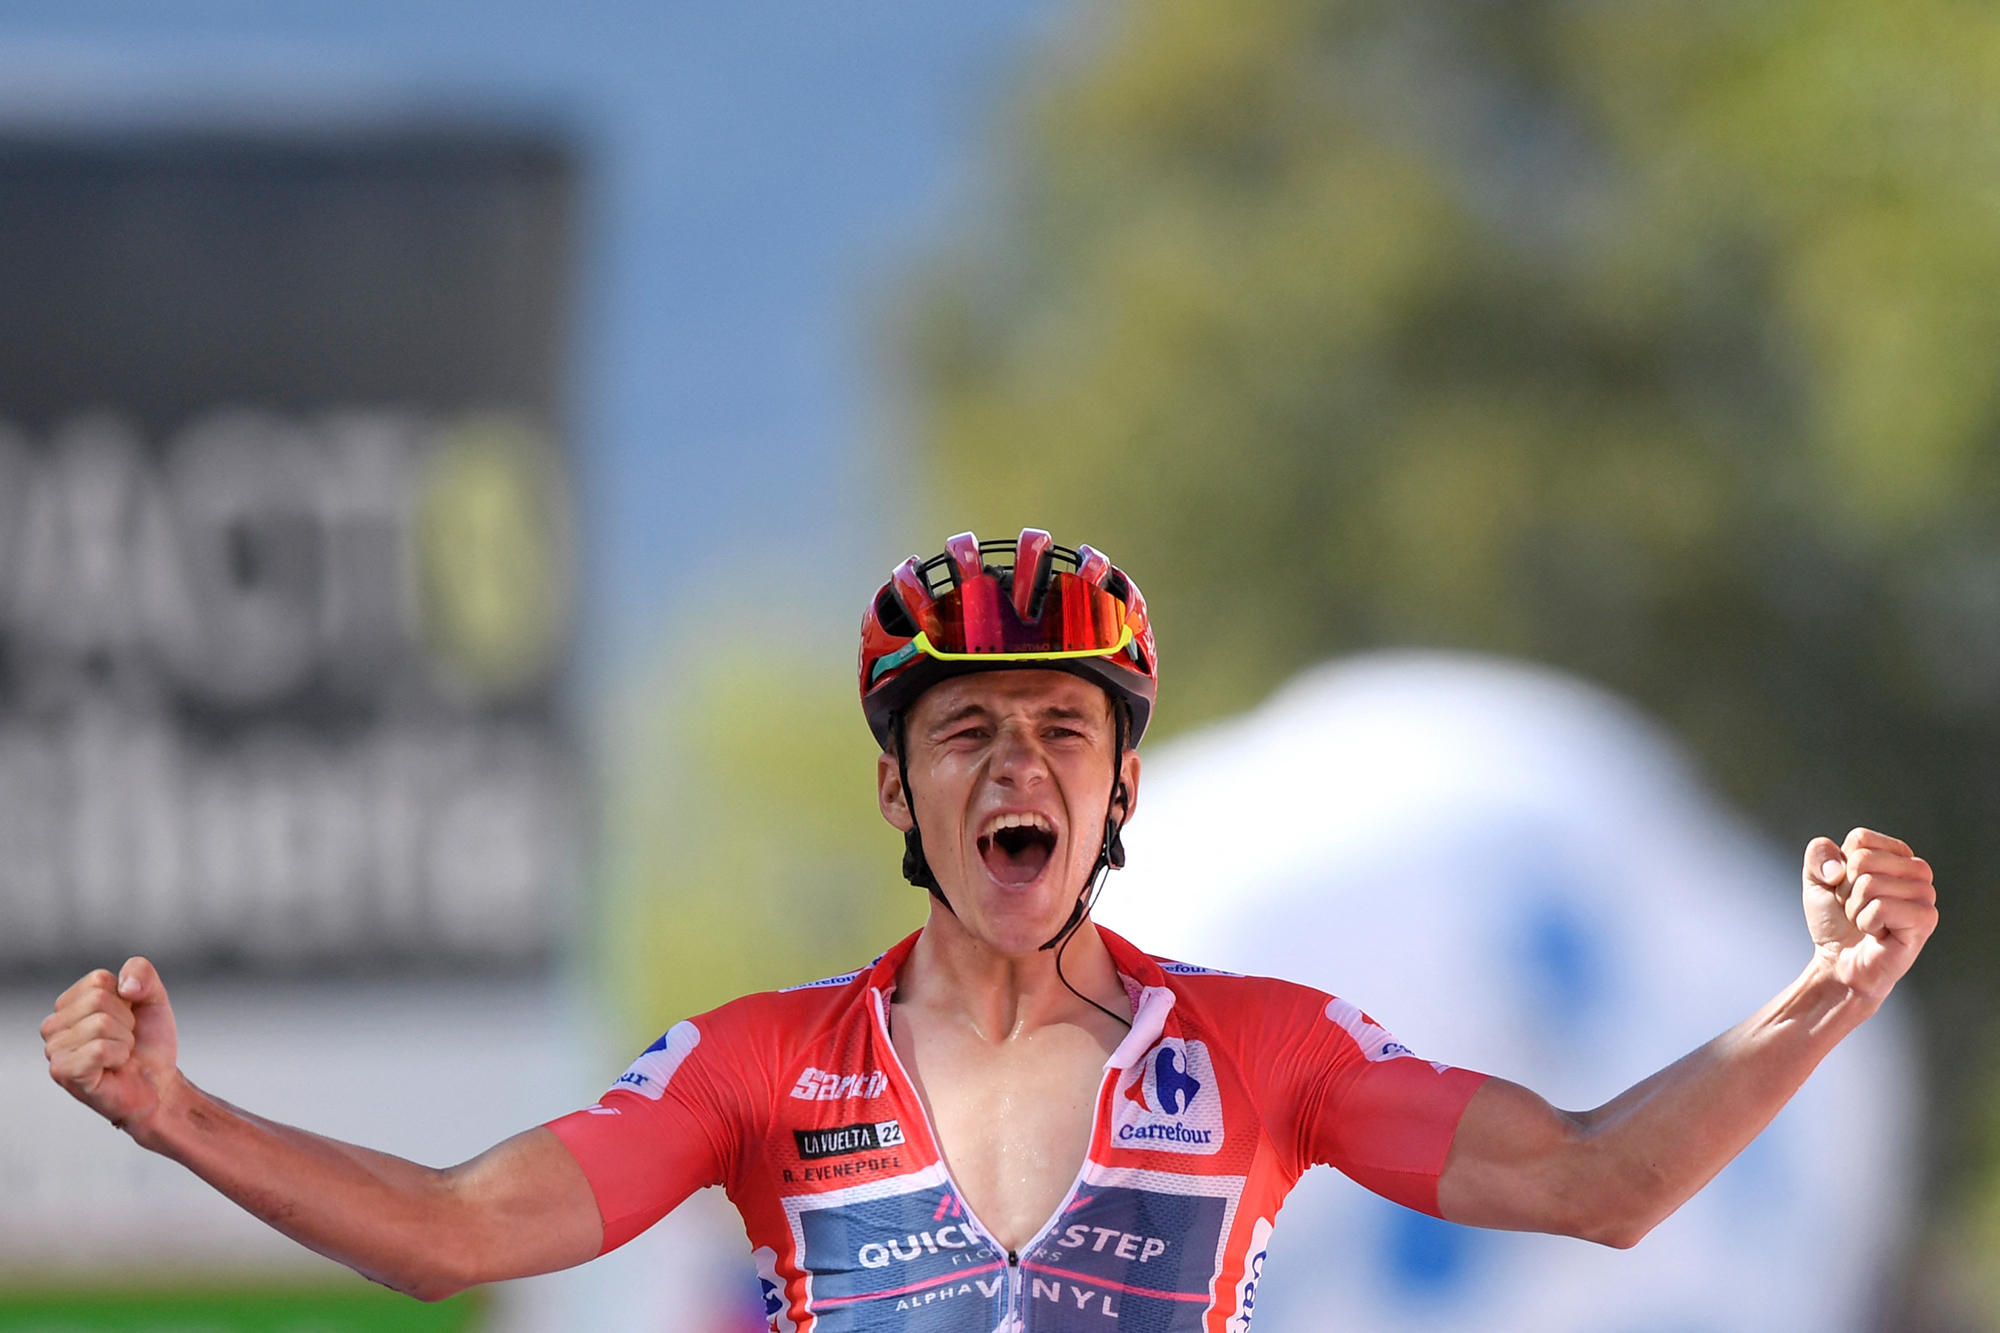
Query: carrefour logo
x,y
1253,1272
1177,1086
1169,1102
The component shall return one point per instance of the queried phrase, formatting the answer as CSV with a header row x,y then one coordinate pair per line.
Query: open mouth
x,y
1017,848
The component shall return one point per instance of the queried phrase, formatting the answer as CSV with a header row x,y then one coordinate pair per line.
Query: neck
x,y
1004,996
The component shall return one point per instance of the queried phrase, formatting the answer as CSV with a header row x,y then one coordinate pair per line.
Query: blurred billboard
x,y
286,571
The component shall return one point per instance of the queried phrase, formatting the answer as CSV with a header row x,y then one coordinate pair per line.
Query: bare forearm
x,y
522,1207
1652,1147
1614,1173
416,1229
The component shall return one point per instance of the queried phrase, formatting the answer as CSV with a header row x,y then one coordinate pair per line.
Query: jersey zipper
x,y
1015,1280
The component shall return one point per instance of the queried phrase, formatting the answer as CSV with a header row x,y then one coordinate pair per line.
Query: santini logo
x,y
820,1085
868,1136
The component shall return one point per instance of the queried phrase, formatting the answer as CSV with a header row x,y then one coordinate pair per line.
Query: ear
x,y
889,796
1128,773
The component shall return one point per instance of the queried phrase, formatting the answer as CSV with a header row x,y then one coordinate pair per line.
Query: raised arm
x,y
1613,1174
522,1207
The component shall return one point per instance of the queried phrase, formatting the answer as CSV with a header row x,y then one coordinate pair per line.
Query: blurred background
x,y
444,450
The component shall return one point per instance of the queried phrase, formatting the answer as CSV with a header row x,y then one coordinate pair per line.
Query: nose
x,y
1018,757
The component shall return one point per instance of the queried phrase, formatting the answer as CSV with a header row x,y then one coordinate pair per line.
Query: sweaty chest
x,y
1013,1119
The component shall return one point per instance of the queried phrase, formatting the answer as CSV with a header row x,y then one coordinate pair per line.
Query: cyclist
x,y
1014,1120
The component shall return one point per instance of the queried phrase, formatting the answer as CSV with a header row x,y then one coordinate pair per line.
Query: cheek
x,y
943,797
1087,816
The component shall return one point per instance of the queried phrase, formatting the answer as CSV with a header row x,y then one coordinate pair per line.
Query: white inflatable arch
x,y
1515,872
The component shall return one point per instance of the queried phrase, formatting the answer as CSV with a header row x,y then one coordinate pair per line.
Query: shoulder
x,y
791,1016
749,1042
1253,1007
1212,987
1175,968
1197,986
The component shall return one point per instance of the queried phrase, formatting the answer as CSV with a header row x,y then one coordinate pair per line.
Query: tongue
x,y
1017,867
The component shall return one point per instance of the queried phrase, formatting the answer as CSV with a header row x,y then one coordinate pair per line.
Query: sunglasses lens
x,y
1077,617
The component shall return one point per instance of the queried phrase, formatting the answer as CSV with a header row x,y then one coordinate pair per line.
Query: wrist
x,y
154,1128
1825,981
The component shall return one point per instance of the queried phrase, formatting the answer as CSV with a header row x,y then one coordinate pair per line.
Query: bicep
x,y
640,1157
529,1206
1511,1163
1390,1124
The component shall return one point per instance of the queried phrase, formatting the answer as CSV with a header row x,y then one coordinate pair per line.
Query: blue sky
x,y
759,177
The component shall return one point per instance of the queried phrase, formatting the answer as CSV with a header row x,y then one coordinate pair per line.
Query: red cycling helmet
x,y
991,606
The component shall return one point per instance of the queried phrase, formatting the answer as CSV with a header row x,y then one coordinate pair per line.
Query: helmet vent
x,y
889,613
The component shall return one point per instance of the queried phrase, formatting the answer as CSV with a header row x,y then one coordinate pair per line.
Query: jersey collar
x,y
1150,1006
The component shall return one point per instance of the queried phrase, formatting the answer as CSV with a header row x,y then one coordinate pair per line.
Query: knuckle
x,y
105,1053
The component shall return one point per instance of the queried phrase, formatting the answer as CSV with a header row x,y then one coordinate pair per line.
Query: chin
x,y
1014,919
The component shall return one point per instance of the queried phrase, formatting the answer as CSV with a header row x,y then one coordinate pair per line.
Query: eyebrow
x,y
959,715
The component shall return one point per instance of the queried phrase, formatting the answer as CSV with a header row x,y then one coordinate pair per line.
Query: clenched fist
x,y
1870,905
111,1043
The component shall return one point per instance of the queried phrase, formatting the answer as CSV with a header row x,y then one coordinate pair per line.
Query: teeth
x,y
1030,820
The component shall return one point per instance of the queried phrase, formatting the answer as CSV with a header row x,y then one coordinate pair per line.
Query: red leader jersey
x,y
1225,1091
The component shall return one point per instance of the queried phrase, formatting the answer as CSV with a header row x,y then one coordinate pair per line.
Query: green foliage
x,y
1654,340
746,852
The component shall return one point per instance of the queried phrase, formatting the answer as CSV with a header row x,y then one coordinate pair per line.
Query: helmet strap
x,y
1110,856
916,867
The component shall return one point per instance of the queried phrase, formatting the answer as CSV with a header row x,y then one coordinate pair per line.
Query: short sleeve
x,y
674,1122
1340,1090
